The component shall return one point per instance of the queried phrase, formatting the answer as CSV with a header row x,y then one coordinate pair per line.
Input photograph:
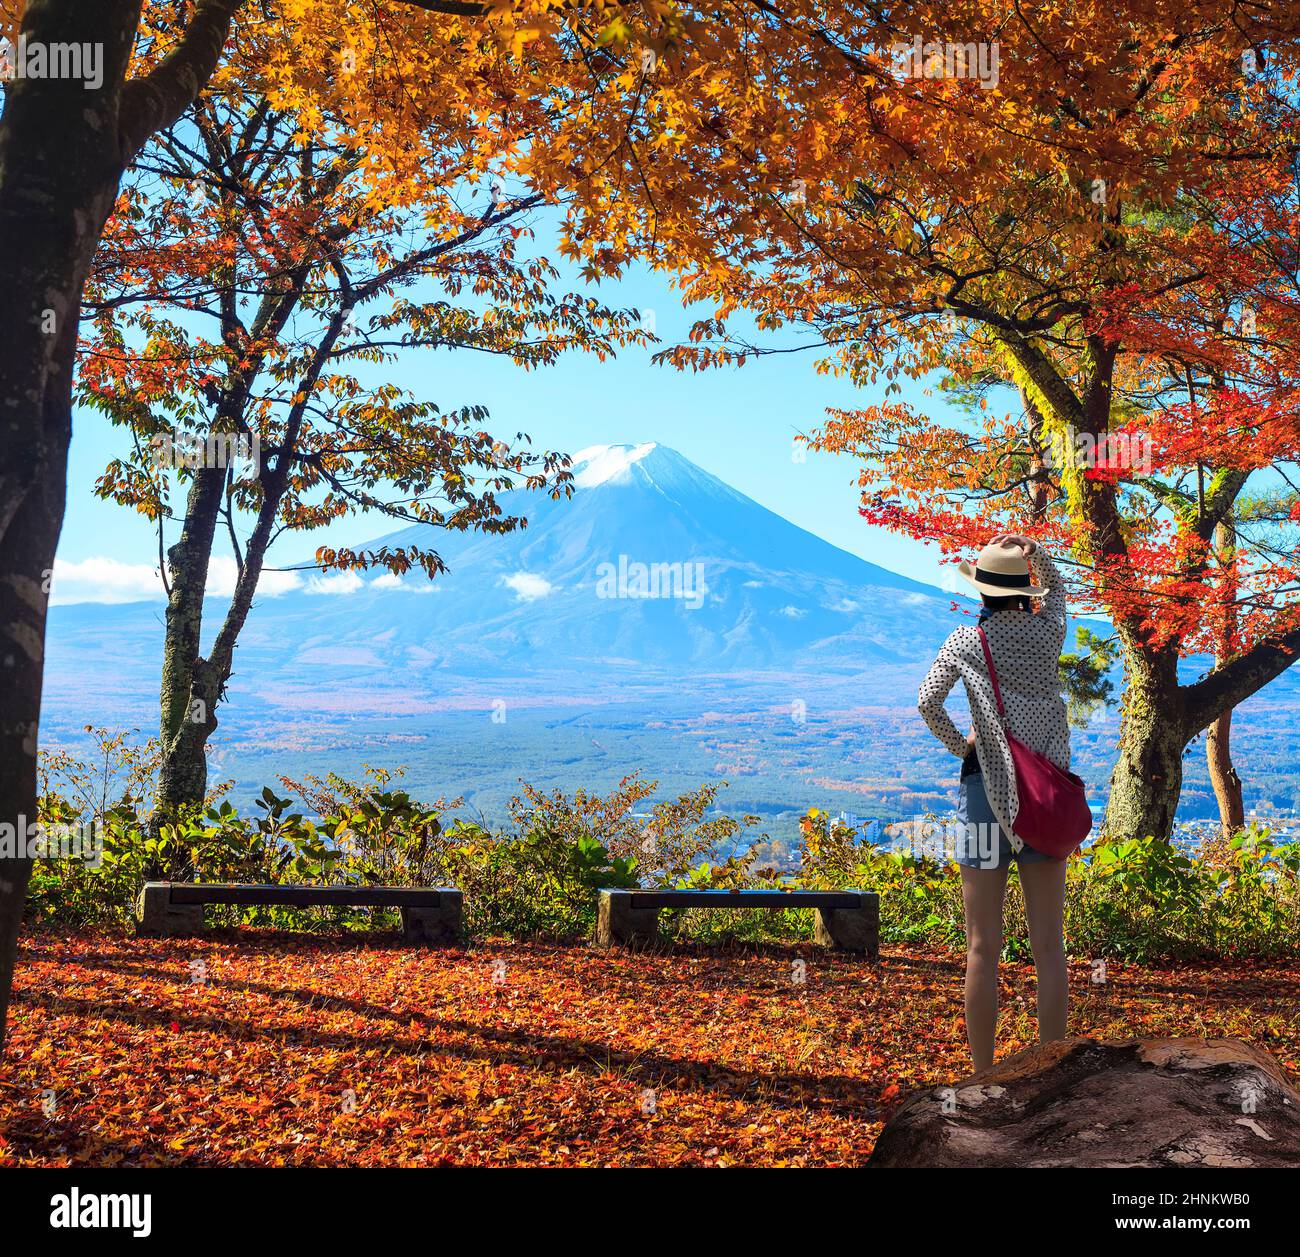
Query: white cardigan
x,y
1026,649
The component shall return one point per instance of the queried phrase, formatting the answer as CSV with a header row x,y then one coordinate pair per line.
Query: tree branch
x,y
1237,680
159,98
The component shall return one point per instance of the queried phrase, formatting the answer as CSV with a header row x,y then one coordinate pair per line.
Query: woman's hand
x,y
1026,545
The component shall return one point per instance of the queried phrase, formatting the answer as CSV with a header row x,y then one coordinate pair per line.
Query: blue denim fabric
x,y
973,810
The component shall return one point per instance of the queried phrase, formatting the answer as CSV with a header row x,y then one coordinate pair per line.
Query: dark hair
x,y
1008,602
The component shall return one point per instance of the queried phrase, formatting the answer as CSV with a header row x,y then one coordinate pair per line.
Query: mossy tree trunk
x,y
1160,716
188,700
1148,775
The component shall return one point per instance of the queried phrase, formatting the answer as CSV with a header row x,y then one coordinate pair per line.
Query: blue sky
x,y
738,424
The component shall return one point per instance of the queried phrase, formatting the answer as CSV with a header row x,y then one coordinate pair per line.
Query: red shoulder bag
x,y
1054,816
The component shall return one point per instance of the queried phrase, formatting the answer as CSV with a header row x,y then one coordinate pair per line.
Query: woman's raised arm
x,y
1045,573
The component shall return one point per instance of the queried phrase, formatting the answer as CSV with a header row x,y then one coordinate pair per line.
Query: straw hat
x,y
1001,571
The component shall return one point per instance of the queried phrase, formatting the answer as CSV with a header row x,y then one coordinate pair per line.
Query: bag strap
x,y
993,672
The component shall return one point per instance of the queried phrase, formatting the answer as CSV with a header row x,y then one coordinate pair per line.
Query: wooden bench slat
x,y
743,899
848,920
306,896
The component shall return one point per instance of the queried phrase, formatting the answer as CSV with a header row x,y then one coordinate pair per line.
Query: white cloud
x,y
527,586
847,605
273,584
335,583
222,574
100,579
794,613
105,580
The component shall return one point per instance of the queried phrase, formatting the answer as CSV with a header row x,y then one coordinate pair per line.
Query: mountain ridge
x,y
776,593
747,589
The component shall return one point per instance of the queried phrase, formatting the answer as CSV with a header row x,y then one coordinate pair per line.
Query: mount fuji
x,y
652,567
652,563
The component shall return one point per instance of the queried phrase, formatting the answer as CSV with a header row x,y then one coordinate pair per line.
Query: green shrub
x,y
1143,899
1140,900
538,879
920,898
540,884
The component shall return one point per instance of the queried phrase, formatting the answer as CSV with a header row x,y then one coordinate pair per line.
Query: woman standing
x,y
1026,646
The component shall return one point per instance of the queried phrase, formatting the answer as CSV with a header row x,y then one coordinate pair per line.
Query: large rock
x,y
1086,1102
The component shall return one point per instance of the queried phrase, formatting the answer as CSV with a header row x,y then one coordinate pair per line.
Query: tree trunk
x,y
187,702
192,686
60,164
1223,776
26,559
1218,745
1148,776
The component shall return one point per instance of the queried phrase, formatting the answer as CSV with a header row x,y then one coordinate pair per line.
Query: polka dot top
x,y
1026,649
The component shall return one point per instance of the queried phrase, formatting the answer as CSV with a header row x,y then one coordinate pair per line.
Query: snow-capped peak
x,y
599,464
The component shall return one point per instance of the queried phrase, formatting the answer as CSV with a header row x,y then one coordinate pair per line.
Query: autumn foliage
x,y
259,1050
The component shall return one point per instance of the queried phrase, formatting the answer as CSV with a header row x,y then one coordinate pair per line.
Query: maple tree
x,y
310,259
1090,228
1157,439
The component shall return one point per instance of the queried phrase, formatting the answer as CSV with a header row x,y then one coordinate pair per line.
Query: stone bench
x,y
429,915
846,919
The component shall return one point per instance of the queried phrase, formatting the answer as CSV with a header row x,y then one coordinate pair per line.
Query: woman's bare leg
x,y
1044,885
982,893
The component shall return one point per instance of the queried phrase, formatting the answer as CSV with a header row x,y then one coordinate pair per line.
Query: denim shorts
x,y
975,848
